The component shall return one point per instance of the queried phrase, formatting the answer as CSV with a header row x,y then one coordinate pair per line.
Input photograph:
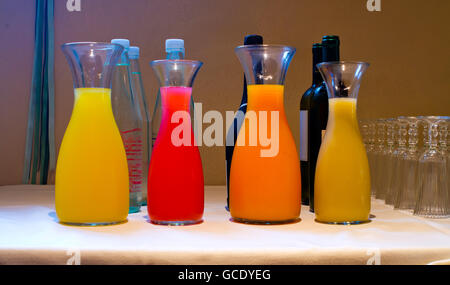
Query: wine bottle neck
x,y
317,58
317,78
330,53
244,93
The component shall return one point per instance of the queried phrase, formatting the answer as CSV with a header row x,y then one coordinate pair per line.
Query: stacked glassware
x,y
410,163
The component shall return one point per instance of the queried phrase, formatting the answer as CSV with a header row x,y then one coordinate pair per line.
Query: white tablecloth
x,y
30,234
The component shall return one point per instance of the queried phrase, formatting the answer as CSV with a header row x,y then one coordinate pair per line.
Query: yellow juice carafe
x,y
91,185
342,179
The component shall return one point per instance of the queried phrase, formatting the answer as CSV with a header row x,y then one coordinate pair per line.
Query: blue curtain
x,y
40,161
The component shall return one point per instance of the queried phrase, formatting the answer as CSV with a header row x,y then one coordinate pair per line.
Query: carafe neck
x,y
343,110
175,99
265,97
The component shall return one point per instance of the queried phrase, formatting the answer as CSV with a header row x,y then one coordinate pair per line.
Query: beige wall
x,y
407,44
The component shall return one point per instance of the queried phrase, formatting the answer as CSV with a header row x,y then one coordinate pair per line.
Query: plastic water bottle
x,y
128,118
139,95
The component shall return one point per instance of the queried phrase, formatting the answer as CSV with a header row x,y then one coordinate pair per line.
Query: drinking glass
x,y
378,156
392,139
371,154
443,143
384,172
408,173
367,128
396,163
433,197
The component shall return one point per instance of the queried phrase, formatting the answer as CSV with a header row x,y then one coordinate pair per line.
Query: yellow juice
x,y
91,185
342,181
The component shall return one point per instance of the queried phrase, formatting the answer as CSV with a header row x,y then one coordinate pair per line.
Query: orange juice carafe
x,y
265,185
342,179
91,185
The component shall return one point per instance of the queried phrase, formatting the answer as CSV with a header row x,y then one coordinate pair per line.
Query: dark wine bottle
x,y
318,114
305,107
238,119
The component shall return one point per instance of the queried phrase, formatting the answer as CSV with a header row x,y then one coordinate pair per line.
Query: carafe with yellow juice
x,y
91,185
342,179
265,185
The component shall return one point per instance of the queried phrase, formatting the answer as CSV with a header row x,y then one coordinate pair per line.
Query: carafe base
x,y
259,222
176,223
100,224
344,223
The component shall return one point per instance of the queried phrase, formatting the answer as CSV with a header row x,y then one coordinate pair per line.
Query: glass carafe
x,y
175,179
91,186
265,186
342,181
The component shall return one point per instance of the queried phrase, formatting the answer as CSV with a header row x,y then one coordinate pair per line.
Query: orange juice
x,y
265,189
342,181
92,172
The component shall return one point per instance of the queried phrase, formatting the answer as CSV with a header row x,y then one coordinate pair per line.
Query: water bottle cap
x,y
133,52
123,42
174,44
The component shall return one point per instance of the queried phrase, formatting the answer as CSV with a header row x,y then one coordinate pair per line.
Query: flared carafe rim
x,y
90,44
176,72
291,48
153,62
343,62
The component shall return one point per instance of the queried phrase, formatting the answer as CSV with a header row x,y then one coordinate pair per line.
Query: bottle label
x,y
132,140
304,135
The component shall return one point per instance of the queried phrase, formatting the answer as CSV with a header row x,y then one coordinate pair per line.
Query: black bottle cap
x,y
253,40
317,53
330,48
330,40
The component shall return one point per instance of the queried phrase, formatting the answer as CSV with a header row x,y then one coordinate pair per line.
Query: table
x,y
30,234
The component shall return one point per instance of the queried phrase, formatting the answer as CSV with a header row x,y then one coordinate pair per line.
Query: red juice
x,y
175,179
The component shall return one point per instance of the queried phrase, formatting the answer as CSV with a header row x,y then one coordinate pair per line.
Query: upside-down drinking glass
x,y
433,197
396,164
408,189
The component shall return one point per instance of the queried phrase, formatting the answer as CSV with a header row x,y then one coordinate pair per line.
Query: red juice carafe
x,y
175,178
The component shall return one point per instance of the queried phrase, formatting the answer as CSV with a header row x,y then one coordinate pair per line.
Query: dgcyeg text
x,y
241,274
